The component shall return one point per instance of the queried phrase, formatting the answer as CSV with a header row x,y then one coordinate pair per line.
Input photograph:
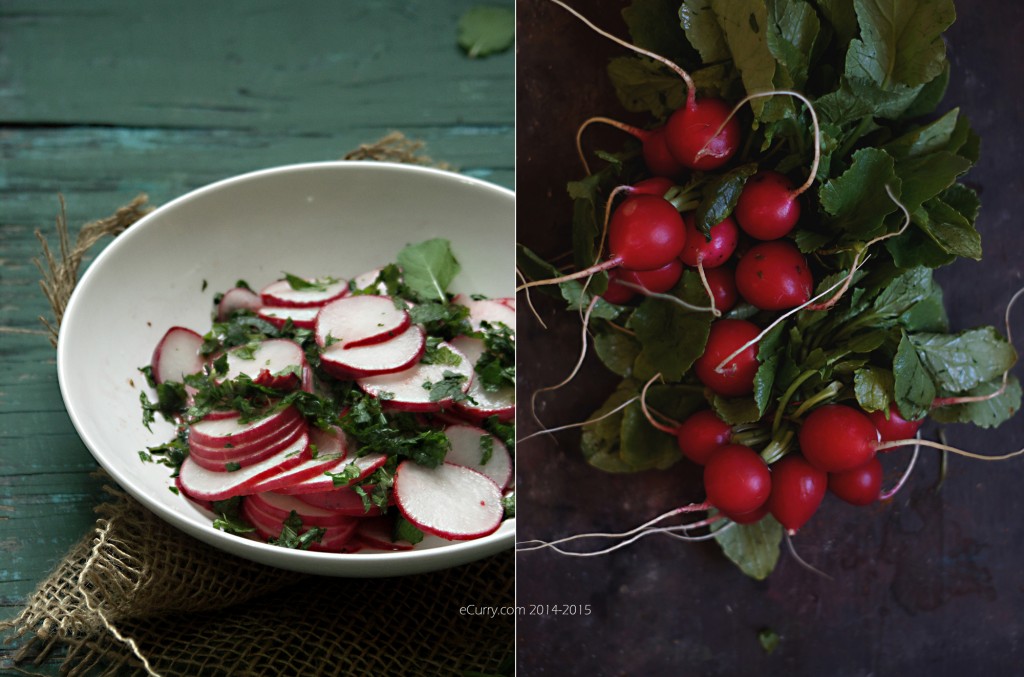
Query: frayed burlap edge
x,y
103,578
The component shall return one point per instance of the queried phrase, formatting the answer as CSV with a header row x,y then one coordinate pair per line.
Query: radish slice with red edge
x,y
343,500
177,355
485,403
275,363
375,532
450,501
280,506
301,318
470,447
490,311
320,292
232,432
408,390
394,355
328,451
369,279
366,464
237,298
252,456
334,538
358,321
198,482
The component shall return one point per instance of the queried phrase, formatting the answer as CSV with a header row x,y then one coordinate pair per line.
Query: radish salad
x,y
344,414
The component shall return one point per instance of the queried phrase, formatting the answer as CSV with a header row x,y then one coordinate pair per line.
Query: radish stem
x,y
801,561
647,412
886,495
670,298
622,126
572,374
529,301
580,424
707,287
945,447
691,91
605,265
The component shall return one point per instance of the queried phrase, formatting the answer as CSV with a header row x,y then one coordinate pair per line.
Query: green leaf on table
x,y
429,267
926,176
962,199
644,447
754,548
916,248
902,293
486,29
960,362
912,384
855,198
930,95
928,314
842,16
859,98
926,139
617,350
736,410
719,197
649,30
600,440
901,41
949,229
874,388
671,337
987,413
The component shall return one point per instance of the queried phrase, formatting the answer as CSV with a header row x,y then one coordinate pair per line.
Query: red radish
x,y
657,281
500,403
407,390
280,506
861,485
617,293
774,276
695,134
894,426
275,363
375,532
303,318
393,355
335,538
646,232
836,437
468,444
712,251
655,150
282,293
701,435
737,480
722,283
369,278
237,298
328,451
768,208
797,490
177,355
360,320
367,465
736,378
200,483
449,501
750,517
655,185
226,433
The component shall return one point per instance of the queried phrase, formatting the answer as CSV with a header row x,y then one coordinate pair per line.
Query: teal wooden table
x,y
100,101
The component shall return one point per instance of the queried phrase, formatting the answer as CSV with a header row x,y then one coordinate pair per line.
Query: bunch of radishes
x,y
782,458
273,405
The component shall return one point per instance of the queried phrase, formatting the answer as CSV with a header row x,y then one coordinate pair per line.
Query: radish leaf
x,y
428,268
754,548
486,30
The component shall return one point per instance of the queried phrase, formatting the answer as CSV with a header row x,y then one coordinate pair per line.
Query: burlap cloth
x,y
136,596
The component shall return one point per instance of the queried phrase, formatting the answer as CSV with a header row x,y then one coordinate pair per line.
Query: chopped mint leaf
x,y
486,29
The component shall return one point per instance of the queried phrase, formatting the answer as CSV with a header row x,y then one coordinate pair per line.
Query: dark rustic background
x,y
930,583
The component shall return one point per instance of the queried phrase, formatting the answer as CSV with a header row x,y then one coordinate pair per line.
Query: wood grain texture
x,y
100,101
927,584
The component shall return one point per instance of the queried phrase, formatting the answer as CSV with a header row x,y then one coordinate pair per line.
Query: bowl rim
x,y
431,558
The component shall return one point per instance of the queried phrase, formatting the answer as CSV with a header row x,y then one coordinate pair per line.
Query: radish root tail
x,y
886,495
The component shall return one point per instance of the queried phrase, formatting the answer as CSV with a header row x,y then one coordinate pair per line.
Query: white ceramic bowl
x,y
340,218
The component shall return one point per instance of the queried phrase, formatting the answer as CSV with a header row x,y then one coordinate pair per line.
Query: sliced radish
x,y
281,293
237,298
331,450
369,278
509,301
334,539
366,464
375,532
405,390
450,501
491,311
231,450
275,363
302,318
177,355
358,321
225,461
468,451
500,403
280,506
225,433
343,500
396,354
200,483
